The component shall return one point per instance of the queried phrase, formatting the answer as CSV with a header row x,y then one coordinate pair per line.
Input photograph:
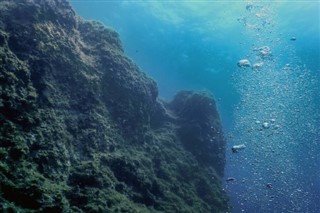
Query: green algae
x,y
82,129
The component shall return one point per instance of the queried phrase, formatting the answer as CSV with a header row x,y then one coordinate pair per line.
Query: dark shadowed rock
x,y
199,127
82,130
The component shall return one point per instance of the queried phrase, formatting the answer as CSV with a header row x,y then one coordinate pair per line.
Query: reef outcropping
x,y
82,128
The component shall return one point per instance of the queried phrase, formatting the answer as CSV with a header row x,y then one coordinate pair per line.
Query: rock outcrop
x,y
82,129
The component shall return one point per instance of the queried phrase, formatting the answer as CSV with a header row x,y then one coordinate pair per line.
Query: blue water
x,y
273,109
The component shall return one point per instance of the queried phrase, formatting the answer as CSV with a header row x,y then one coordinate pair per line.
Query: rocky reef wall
x,y
82,128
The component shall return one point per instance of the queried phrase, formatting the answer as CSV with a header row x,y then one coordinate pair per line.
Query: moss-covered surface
x,y
81,129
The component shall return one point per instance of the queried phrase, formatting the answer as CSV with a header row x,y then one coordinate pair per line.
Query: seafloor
x,y
82,128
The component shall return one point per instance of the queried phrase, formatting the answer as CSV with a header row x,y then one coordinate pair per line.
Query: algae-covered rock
x,y
82,130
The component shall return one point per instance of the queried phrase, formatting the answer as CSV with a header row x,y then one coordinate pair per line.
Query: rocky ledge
x,y
82,129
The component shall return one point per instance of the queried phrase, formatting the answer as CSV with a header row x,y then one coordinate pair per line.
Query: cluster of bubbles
x,y
276,129
262,54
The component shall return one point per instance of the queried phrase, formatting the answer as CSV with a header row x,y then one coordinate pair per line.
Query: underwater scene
x,y
159,106
261,61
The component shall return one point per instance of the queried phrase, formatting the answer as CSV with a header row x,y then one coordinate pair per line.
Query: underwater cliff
x,y
82,128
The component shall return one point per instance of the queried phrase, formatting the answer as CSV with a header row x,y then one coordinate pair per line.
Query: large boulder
x,y
200,129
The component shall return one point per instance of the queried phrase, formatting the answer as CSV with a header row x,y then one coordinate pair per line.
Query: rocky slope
x,y
82,130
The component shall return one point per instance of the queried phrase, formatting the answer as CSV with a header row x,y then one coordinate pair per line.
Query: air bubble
x,y
265,125
265,52
258,65
244,63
